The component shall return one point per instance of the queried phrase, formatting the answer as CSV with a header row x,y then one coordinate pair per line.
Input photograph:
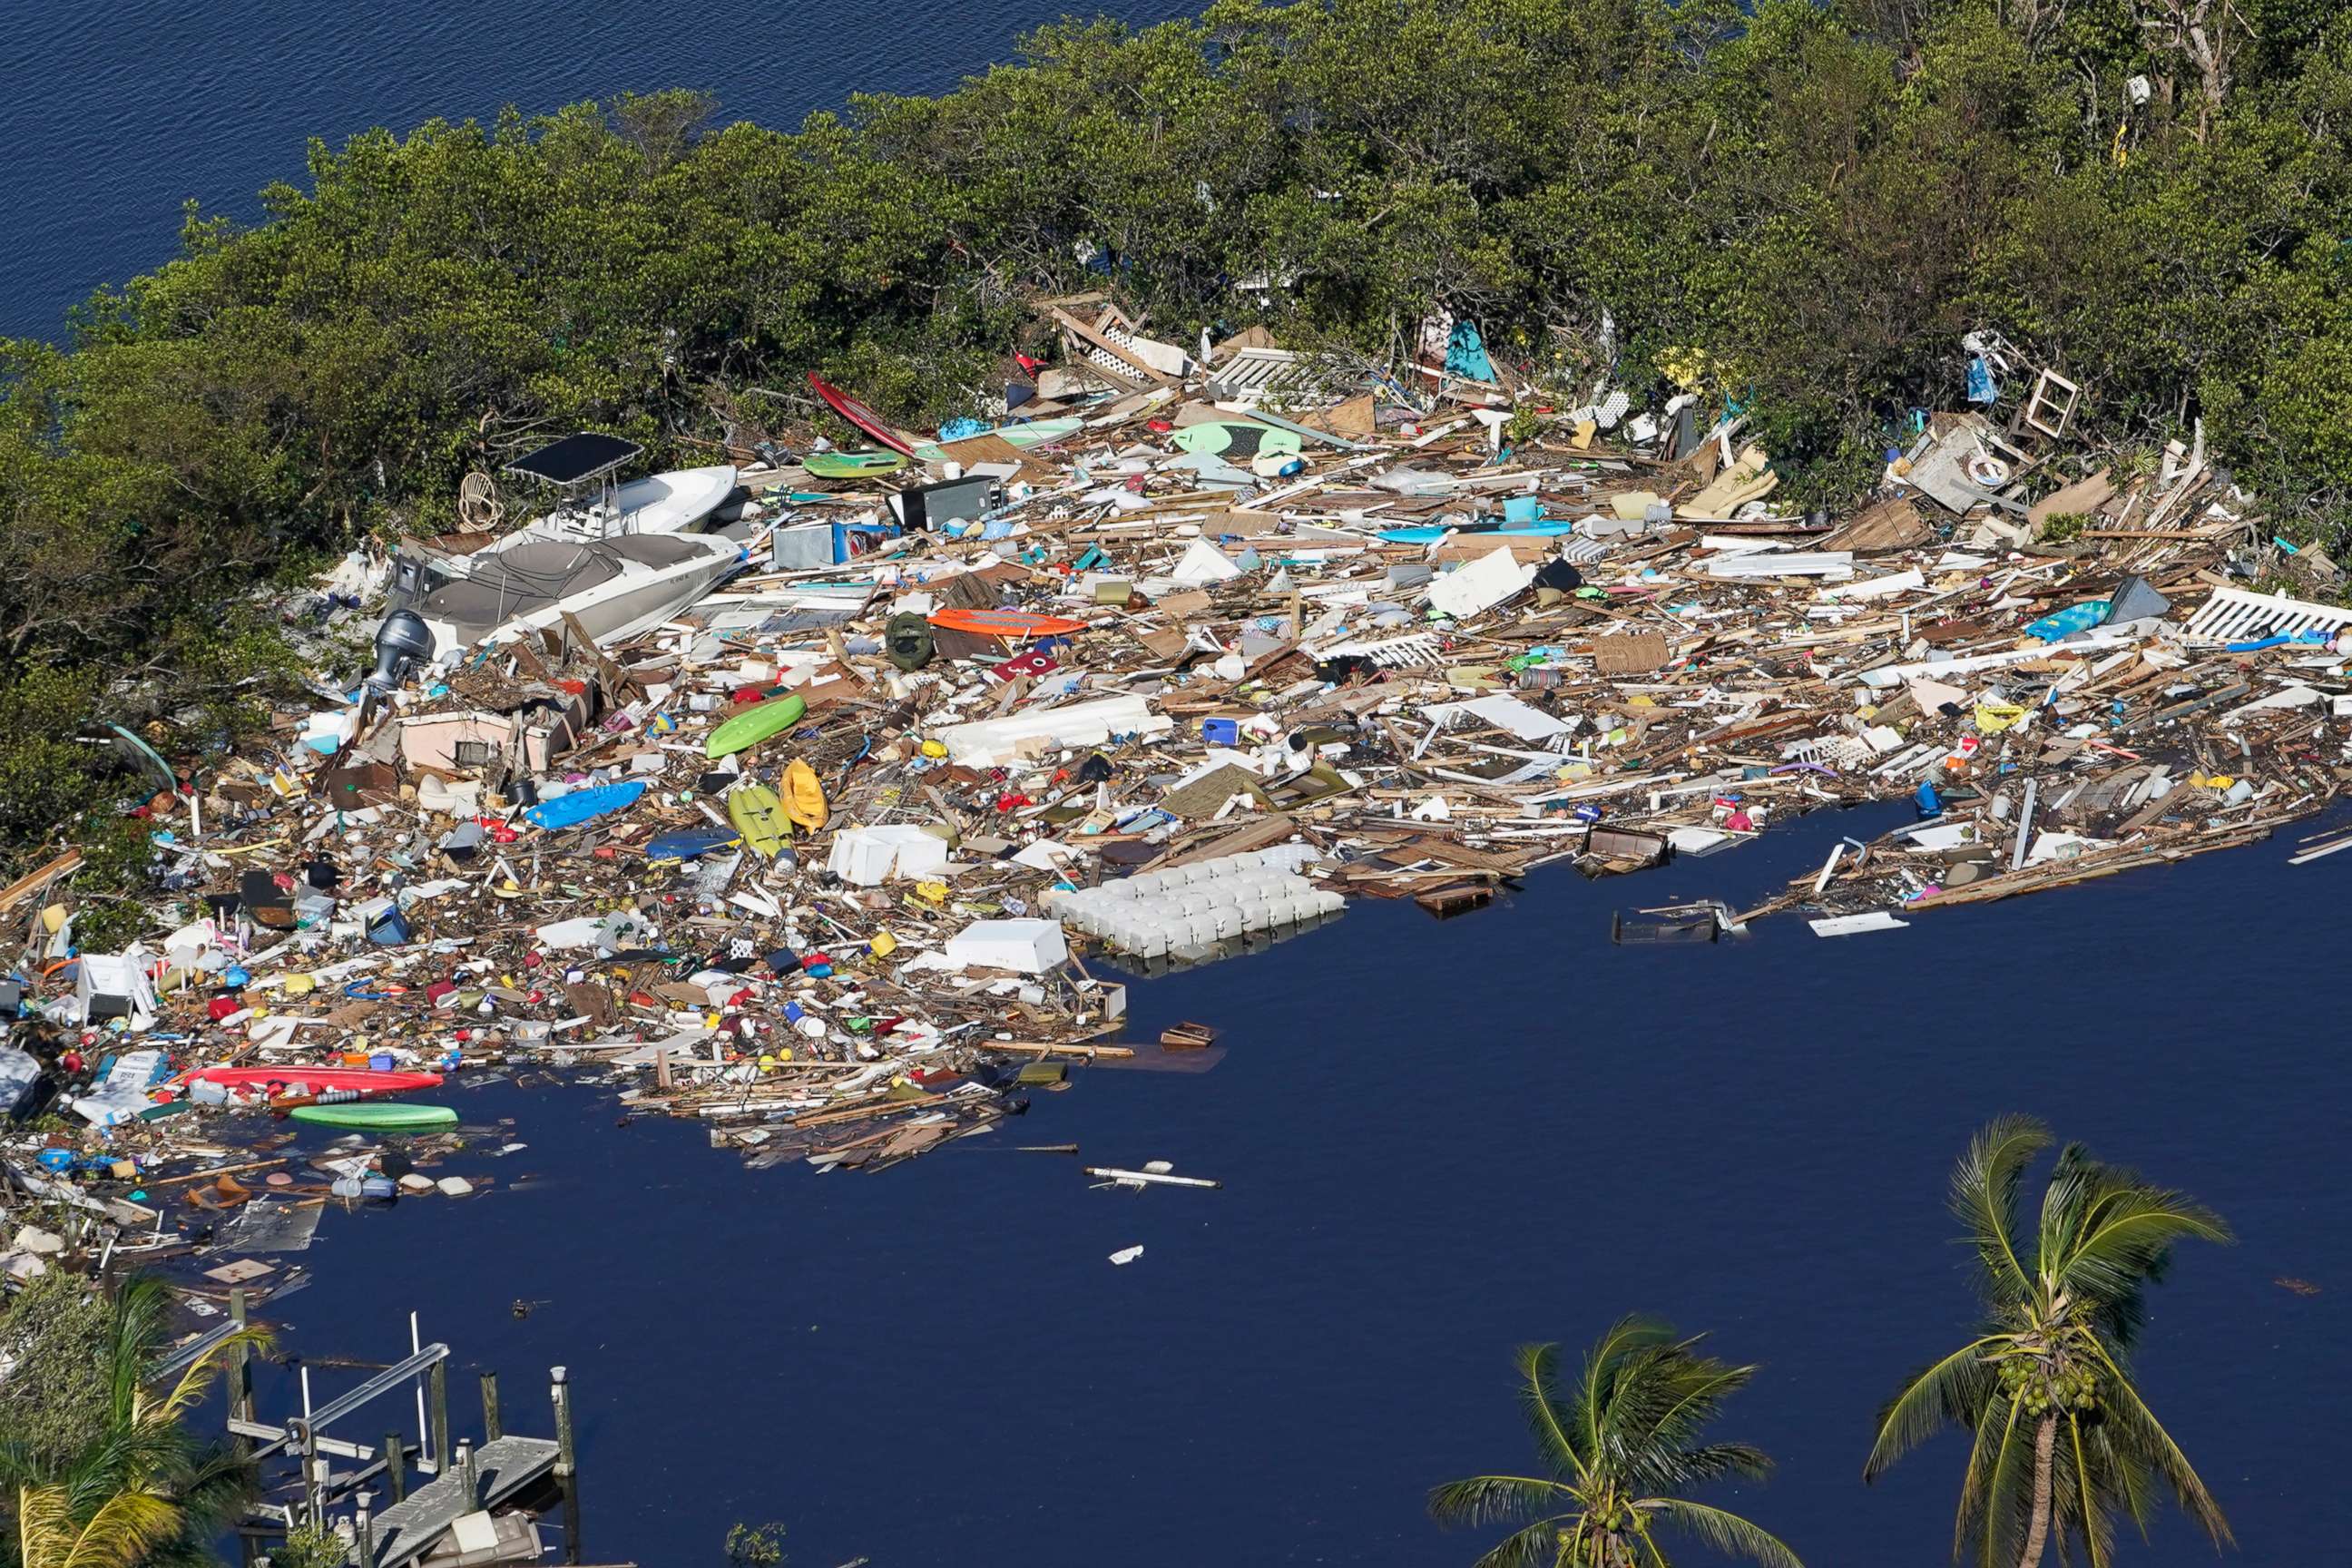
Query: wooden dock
x,y
503,1468
465,1479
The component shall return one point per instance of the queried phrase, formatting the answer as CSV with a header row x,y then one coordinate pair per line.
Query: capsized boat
x,y
615,588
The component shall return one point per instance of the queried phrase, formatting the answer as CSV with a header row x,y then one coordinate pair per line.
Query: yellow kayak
x,y
803,796
759,818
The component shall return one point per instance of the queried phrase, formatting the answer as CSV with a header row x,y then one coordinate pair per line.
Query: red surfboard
x,y
1005,622
317,1080
858,414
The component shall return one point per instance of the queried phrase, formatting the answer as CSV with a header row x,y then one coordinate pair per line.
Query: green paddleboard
x,y
852,465
377,1116
754,725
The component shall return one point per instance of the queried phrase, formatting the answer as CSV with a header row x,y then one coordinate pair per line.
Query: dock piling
x,y
566,1461
491,1430
395,1465
440,1380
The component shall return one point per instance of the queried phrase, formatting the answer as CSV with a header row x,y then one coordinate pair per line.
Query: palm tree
x,y
1615,1448
2062,1439
139,1489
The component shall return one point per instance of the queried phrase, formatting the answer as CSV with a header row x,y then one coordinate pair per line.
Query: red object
x,y
220,1007
858,414
1027,663
358,1080
1005,622
812,961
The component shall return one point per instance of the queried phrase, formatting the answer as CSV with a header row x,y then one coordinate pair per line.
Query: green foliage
x,y
305,1547
1808,202
1617,1448
756,1545
51,1403
2061,1440
108,1468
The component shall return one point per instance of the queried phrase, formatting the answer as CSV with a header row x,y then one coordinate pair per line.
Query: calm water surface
x,y
1438,1141
112,115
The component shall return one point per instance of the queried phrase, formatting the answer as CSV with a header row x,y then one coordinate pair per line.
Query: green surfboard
x,y
754,725
852,465
377,1116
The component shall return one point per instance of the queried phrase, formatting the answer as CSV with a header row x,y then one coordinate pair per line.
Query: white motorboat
x,y
674,502
615,588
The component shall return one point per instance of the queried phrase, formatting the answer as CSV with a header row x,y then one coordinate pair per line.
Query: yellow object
x,y
803,796
299,985
884,944
1639,701
934,892
1993,718
935,749
53,919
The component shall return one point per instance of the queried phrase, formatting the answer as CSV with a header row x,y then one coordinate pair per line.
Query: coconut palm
x,y
137,1488
1615,1449
2062,1440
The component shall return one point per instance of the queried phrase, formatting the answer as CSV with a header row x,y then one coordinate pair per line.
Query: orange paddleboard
x,y
1006,623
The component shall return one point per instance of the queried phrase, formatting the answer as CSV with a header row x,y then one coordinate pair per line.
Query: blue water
x,y
1438,1141
112,116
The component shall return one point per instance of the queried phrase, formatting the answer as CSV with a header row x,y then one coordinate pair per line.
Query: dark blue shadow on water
x,y
1437,1141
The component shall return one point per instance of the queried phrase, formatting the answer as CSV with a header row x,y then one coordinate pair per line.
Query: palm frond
x,y
2090,1513
197,1380
1725,1532
1984,1198
2002,1515
1987,1420
2126,1237
1695,1387
44,1525
1535,1545
139,1326
122,1532
1712,1461
1939,1394
1556,1436
1604,1368
2130,1480
2136,1428
1483,1499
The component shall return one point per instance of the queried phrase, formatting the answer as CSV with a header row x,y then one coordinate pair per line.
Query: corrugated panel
x,y
2234,615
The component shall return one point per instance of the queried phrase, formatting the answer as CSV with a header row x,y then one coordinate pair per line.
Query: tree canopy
x,y
1798,206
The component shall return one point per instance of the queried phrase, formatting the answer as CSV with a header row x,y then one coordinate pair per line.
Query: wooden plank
x,y
65,865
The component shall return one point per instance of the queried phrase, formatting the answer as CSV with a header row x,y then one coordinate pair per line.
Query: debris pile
x,y
845,851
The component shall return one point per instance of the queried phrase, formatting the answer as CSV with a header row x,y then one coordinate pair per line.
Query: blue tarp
x,y
1466,354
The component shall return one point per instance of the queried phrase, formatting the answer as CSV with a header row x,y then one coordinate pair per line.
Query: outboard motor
x,y
402,643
